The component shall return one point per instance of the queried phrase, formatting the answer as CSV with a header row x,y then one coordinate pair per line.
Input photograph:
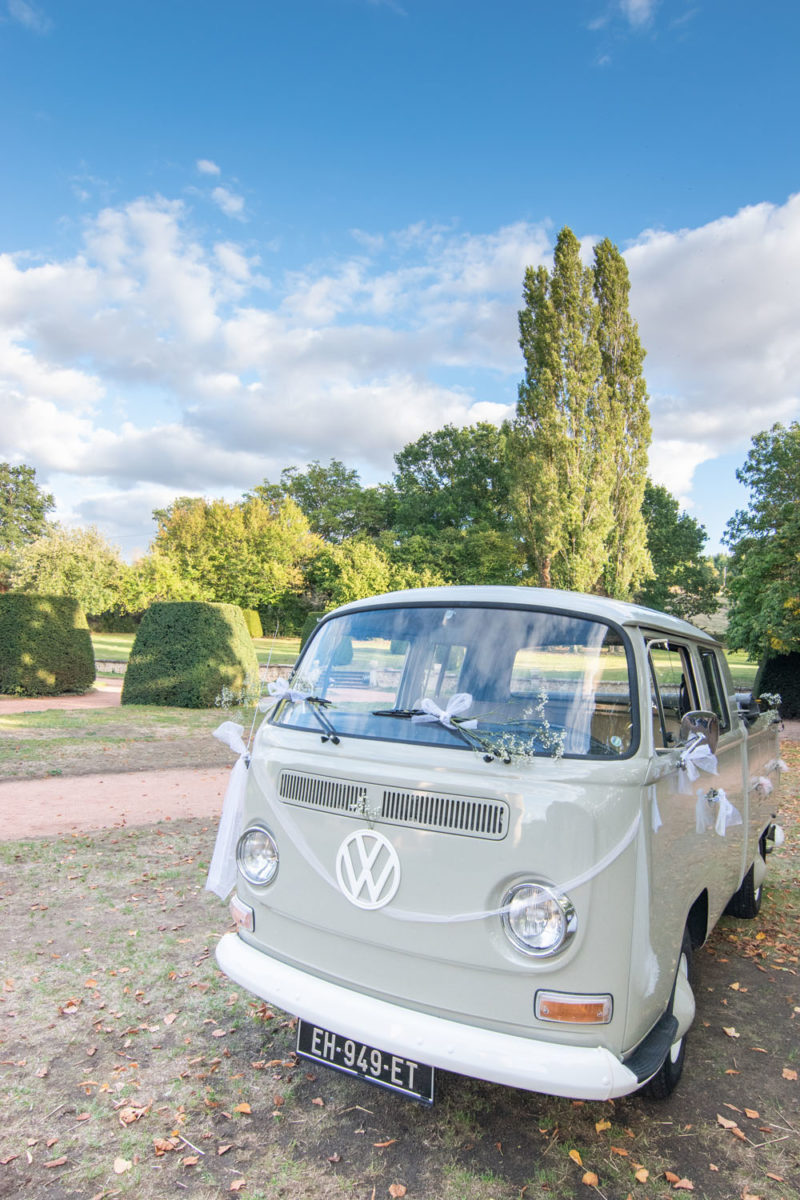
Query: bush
x,y
114,622
781,673
311,622
253,622
45,647
185,653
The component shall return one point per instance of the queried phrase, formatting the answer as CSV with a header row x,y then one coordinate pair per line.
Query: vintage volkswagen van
x,y
484,829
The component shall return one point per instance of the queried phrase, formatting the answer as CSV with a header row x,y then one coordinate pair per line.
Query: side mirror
x,y
704,723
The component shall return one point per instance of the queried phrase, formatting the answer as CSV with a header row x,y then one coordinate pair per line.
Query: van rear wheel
x,y
667,1076
746,902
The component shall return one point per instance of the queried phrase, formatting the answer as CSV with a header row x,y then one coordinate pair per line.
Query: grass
x,y
86,741
116,647
120,1042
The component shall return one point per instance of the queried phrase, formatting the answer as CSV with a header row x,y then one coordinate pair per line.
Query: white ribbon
x,y
222,871
776,764
697,754
279,690
455,705
763,784
727,814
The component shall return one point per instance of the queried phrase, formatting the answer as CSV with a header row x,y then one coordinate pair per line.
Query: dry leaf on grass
x,y
237,1185
725,1122
752,1113
620,1150
320,1103
383,1145
590,1179
191,1160
397,1191
684,1185
731,1032
242,1108
224,1149
789,1073
121,1165
642,1175
56,1162
576,1158
601,1125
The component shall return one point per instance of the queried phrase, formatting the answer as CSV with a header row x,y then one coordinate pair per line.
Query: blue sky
x,y
235,237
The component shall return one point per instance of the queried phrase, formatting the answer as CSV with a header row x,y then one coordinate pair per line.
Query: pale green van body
x,y
624,834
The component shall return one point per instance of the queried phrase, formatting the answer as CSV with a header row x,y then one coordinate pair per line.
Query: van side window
x,y
673,690
716,692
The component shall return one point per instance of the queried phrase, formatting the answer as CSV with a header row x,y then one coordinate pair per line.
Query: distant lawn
x,y
279,652
742,669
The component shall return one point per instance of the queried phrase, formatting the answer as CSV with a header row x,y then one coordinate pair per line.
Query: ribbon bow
x,y
431,712
698,755
280,690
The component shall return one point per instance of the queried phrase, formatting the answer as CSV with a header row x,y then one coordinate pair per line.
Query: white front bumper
x,y
582,1073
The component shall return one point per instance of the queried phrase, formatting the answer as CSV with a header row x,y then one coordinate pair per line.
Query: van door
x,y
695,846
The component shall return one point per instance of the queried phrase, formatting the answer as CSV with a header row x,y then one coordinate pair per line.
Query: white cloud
x,y
206,167
156,361
30,16
231,204
638,12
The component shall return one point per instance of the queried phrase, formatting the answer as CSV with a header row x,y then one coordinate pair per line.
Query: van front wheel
x,y
666,1077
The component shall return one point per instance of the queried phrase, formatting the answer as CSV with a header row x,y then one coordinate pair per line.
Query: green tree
x,y
683,582
248,553
357,568
332,498
71,562
452,508
764,539
23,512
622,356
579,440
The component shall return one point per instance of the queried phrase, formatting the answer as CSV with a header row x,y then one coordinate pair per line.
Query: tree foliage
x,y
23,511
79,563
579,441
764,538
683,582
332,499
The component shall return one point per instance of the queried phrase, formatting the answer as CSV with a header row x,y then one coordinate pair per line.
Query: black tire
x,y
746,902
667,1076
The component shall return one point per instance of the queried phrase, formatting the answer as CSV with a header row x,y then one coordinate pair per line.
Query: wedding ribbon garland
x,y
431,712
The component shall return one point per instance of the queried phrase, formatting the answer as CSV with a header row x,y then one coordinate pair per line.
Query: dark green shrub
x,y
45,647
288,614
781,673
310,624
113,622
185,653
253,622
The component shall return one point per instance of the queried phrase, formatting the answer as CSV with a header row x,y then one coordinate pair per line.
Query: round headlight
x,y
257,856
537,920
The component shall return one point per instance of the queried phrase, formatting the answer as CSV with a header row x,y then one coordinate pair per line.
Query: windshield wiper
x,y
318,706
403,714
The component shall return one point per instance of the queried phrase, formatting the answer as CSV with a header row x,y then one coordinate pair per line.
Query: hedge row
x,y
185,653
45,646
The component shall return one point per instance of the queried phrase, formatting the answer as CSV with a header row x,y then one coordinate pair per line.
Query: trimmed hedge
x,y
185,653
781,673
45,647
253,622
311,622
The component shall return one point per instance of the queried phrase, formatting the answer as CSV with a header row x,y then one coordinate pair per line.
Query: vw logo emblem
x,y
368,869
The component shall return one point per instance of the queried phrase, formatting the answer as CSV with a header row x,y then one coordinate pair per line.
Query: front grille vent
x,y
413,809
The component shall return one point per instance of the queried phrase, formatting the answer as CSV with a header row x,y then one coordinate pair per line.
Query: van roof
x,y
594,606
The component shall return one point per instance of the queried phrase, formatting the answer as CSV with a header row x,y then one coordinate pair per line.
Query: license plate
x,y
387,1070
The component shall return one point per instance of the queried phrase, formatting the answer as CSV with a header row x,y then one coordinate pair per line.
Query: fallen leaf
x,y
752,1113
713,1167
642,1175
602,1125
237,1185
749,1196
218,1032
121,1165
8,1159
170,1018
383,1145
671,1177
576,1158
43,1072
684,1185
51,1142
731,1032
590,1179
777,1178
224,1149
737,1132
56,1162
83,1117
334,1158
320,1103
620,1150
241,1108
725,1122
397,1190
789,1073
278,1101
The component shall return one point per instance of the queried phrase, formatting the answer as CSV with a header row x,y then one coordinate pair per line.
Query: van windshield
x,y
529,682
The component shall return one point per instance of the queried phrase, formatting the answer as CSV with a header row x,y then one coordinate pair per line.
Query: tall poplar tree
x,y
578,446
623,356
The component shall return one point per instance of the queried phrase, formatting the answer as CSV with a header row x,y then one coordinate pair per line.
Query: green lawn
x,y
116,647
